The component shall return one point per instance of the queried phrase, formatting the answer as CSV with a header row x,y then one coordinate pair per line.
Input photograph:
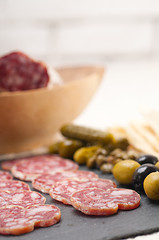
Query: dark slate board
x,y
77,226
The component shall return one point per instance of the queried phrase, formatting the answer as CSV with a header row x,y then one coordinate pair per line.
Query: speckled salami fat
x,y
63,190
29,168
16,220
95,201
5,175
21,198
19,72
13,185
44,182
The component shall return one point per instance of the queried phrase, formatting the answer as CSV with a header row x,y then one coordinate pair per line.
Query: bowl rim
x,y
101,71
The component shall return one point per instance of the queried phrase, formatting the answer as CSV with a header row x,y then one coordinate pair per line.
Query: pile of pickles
x,y
93,148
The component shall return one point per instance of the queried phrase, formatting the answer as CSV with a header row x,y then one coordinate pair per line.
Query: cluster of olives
x,y
142,173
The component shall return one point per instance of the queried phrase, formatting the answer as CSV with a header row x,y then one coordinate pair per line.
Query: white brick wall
x,y
59,9
102,37
80,31
26,38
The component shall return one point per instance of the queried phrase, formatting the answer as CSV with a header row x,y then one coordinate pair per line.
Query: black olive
x,y
147,159
141,173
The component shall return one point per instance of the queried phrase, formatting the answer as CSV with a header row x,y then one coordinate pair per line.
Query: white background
x,y
73,31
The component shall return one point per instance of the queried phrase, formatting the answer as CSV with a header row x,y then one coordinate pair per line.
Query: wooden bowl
x,y
29,119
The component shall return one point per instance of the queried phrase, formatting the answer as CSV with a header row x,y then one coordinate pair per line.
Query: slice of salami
x,y
5,176
21,198
44,215
126,199
13,185
44,182
63,190
30,168
7,165
19,72
16,220
13,221
95,201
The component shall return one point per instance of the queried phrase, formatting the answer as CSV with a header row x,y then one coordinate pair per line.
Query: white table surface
x,y
126,89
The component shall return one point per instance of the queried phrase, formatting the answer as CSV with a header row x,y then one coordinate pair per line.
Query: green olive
x,y
157,164
151,186
123,171
83,154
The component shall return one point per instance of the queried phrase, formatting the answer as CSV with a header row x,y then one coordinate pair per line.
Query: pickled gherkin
x,y
82,155
122,143
68,147
87,134
54,148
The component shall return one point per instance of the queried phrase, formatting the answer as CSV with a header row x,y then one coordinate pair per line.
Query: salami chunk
x,y
5,175
21,198
19,72
16,220
29,168
13,185
44,182
63,190
95,201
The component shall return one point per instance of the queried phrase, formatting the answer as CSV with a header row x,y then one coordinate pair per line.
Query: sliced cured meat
x,y
44,182
44,215
16,220
21,198
5,175
29,168
19,72
63,190
13,221
95,201
13,185
126,199
7,165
